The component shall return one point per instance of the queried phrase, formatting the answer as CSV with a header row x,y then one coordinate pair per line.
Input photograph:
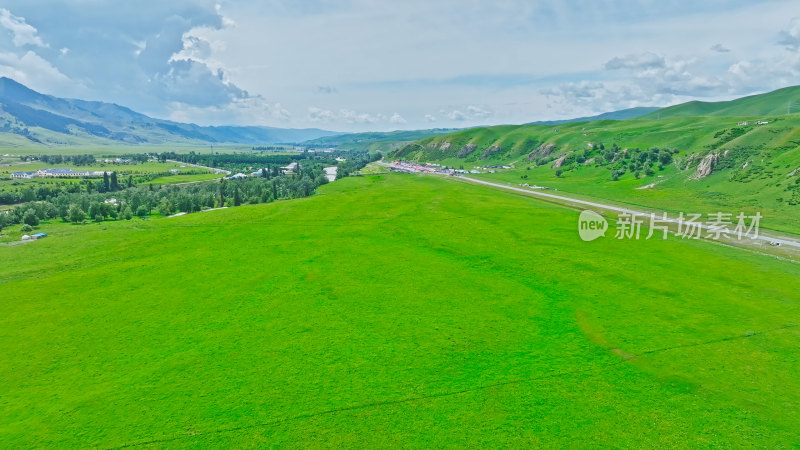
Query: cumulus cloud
x,y
457,115
430,118
353,117
657,74
33,71
21,32
146,57
719,48
790,37
319,115
397,119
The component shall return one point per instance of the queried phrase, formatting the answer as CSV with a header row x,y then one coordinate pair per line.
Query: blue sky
x,y
366,65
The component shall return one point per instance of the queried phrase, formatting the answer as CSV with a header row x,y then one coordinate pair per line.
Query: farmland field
x,y
392,310
139,171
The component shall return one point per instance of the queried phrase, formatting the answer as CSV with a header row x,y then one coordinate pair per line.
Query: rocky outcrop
x,y
466,150
444,147
491,151
589,161
543,151
706,166
560,161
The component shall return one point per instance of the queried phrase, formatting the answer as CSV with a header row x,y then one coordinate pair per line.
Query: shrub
x,y
30,218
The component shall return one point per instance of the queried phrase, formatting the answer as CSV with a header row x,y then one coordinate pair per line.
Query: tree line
x,y
114,199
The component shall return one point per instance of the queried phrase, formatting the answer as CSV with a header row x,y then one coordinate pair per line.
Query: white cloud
x,y
22,33
430,118
790,37
397,119
353,117
35,72
477,112
227,22
457,115
319,115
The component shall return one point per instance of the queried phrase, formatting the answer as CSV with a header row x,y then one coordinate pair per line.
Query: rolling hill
x,y
27,116
703,162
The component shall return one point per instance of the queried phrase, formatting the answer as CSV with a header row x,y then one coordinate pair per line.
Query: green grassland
x,y
392,310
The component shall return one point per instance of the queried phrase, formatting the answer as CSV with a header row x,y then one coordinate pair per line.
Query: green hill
x,y
782,101
754,166
394,311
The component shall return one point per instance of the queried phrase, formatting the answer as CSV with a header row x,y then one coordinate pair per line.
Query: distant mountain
x,y
782,101
624,114
26,115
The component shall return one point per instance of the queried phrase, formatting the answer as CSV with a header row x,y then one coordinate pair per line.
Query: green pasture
x,y
392,311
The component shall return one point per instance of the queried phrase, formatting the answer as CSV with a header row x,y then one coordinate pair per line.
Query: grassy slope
x,y
772,103
388,310
771,152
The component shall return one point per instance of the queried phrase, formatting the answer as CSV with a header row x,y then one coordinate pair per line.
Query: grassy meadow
x,y
392,310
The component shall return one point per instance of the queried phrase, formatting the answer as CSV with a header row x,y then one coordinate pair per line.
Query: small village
x,y
412,167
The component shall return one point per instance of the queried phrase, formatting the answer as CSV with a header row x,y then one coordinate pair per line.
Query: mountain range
x,y
26,116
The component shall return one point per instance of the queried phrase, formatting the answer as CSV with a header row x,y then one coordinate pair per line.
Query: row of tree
x,y
167,200
78,160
